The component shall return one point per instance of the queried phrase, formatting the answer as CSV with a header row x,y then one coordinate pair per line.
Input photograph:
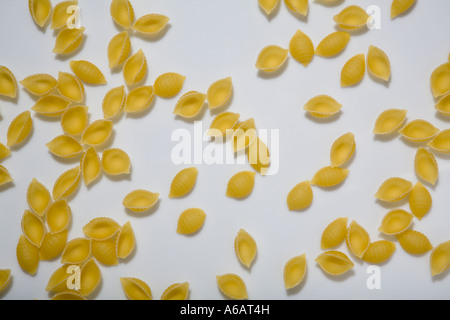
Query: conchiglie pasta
x,y
420,201
219,93
27,255
66,184
136,289
379,251
268,6
97,133
74,120
5,177
105,251
90,166
58,216
329,177
116,162
177,291
68,40
414,242
334,263
395,222
53,245
378,64
301,47
245,247
119,49
58,280
8,83
322,106
39,84
140,200
70,87
389,121
441,142
353,71
65,146
357,240
114,102
400,6
298,6
183,182
4,151
5,277
334,234
443,105
40,11
342,149
418,130
232,286
150,24
300,197
90,277
190,104
241,185
51,106
87,72
122,13
394,189
169,84
101,228
33,228
332,44
244,135
223,124
191,221
19,129
426,166
38,198
126,241
135,68
68,296
440,258
271,58
76,251
294,271
352,18
258,156
139,99
61,14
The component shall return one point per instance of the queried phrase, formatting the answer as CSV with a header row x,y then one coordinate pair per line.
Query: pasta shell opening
x,y
322,106
177,291
271,58
8,84
116,162
136,289
75,120
97,133
150,24
268,6
440,80
58,216
342,150
140,200
352,18
418,131
426,166
38,198
440,258
378,64
334,263
190,105
33,228
90,278
66,184
135,68
441,142
223,124
5,177
70,87
61,14
294,271
119,49
101,228
5,277
65,146
232,286
68,40
390,121
126,241
19,129
358,239
122,13
51,106
39,84
219,93
394,189
76,251
114,102
40,11
139,99
395,222
443,105
298,6
258,156
245,248
90,166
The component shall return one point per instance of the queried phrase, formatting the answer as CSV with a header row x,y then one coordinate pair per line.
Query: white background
x,y
212,39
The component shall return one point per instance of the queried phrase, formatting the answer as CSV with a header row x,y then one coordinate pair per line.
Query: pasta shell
x,y
40,11
169,84
51,106
177,291
219,93
87,72
443,105
135,68
38,198
97,133
378,64
426,166
322,106
298,6
334,263
440,258
105,251
5,177
125,241
400,6
139,99
441,142
27,255
342,150
90,278
353,71
58,280
33,228
241,185
136,289
4,151
258,156
232,286
75,120
329,177
418,131
58,216
140,200
420,201
76,251
271,58
394,189
294,271
190,221
268,5
90,166
223,124
395,222
245,247
101,228
68,296
114,102
414,242
119,49
150,24
70,87
244,135
39,84
333,44
122,13
379,252
389,121
334,234
352,18
53,245
5,277
116,162
66,184
300,197
190,104
19,129
61,14
301,46
8,83
68,40
183,182
65,146
358,239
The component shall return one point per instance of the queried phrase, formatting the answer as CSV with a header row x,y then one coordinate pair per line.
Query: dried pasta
x,y
352,18
334,263
245,247
190,105
426,166
219,93
342,150
70,87
244,135
101,228
5,177
51,106
90,277
395,222
19,129
440,258
169,84
271,58
122,13
135,68
114,102
294,271
126,241
441,142
53,245
329,177
394,189
97,133
61,15
177,291
58,216
87,72
75,120
40,11
258,156
322,106
301,47
268,6
223,124
140,200
443,105
414,242
68,40
389,121
191,221
398,7
298,6
116,162
232,286
139,99
241,185
300,197
332,44
418,131
105,251
136,289
8,83
38,198
420,201
90,166
119,49
334,234
183,182
379,251
27,255
66,184
76,251
5,277
378,64
4,151
65,146
353,71
33,228
68,296
357,240
151,24
39,84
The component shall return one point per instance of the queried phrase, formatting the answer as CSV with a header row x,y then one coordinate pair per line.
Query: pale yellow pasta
x,y
219,93
258,156
400,6
294,271
378,64
183,182
126,241
105,251
139,99
27,255
122,13
441,142
101,228
51,106
245,247
332,44
66,184
169,84
322,106
19,129
177,291
38,198
329,177
357,240
191,221
414,242
68,296
33,228
298,6
5,177
135,68
352,18
136,289
53,245
70,87
426,166
440,258
244,135
353,71
90,277
268,6
151,24
389,121
420,201
58,280
114,102
443,105
90,166
241,185
119,49
419,130
232,286
342,149
379,252
58,216
68,40
87,72
4,151
8,83
271,58
190,104
116,162
39,84
223,123
301,47
300,197
395,222
65,146
334,234
140,200
5,277
394,189
334,263
75,120
40,11
76,251
97,133
61,14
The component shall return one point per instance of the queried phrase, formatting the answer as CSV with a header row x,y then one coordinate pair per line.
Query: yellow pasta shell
x,y
150,24
60,14
222,123
332,44
322,106
58,216
114,102
334,263
258,156
135,68
58,280
294,271
245,247
389,121
105,251
241,185
441,142
190,104
5,277
183,182
116,162
191,221
301,47
298,6
139,99
136,289
76,251
39,84
414,242
68,296
329,177
140,200
8,83
68,40
418,130
122,13
244,135
268,5
394,189
70,87
426,166
357,240
334,234
19,129
87,72
378,64
440,258
90,277
125,241
65,146
342,149
90,166
219,93
169,84
66,184
74,120
443,105
4,151
353,71
5,177
400,6
271,58
40,11
420,201
352,18
300,197
177,291
33,228
51,106
101,228
53,245
395,222
97,133
379,252
119,49
232,286
38,198
27,255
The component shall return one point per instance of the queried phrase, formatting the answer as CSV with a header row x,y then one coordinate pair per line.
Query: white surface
x,y
208,40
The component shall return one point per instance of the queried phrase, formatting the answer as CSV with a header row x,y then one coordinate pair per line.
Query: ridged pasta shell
x,y
97,133
101,228
219,93
440,258
389,121
258,156
271,58
5,177
268,5
5,277
353,71
177,291
65,146
87,72
396,221
66,184
244,136
126,241
135,68
190,104
223,124
414,242
114,102
342,149
394,189
90,166
150,24
4,151
68,296
418,130
27,255
19,129
191,221
329,177
39,84
122,13
443,105
441,142
60,14
294,271
241,185
75,120
245,247
38,198
40,11
76,251
90,277
378,64
332,44
379,252
58,280
8,83
136,289
352,18
119,49
105,251
334,263
169,84
420,201
300,197
33,228
68,40
301,47
51,106
53,245
357,240
426,166
298,6
400,6
183,182
232,286
140,200
58,216
334,234
139,99
322,106
70,87
116,162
